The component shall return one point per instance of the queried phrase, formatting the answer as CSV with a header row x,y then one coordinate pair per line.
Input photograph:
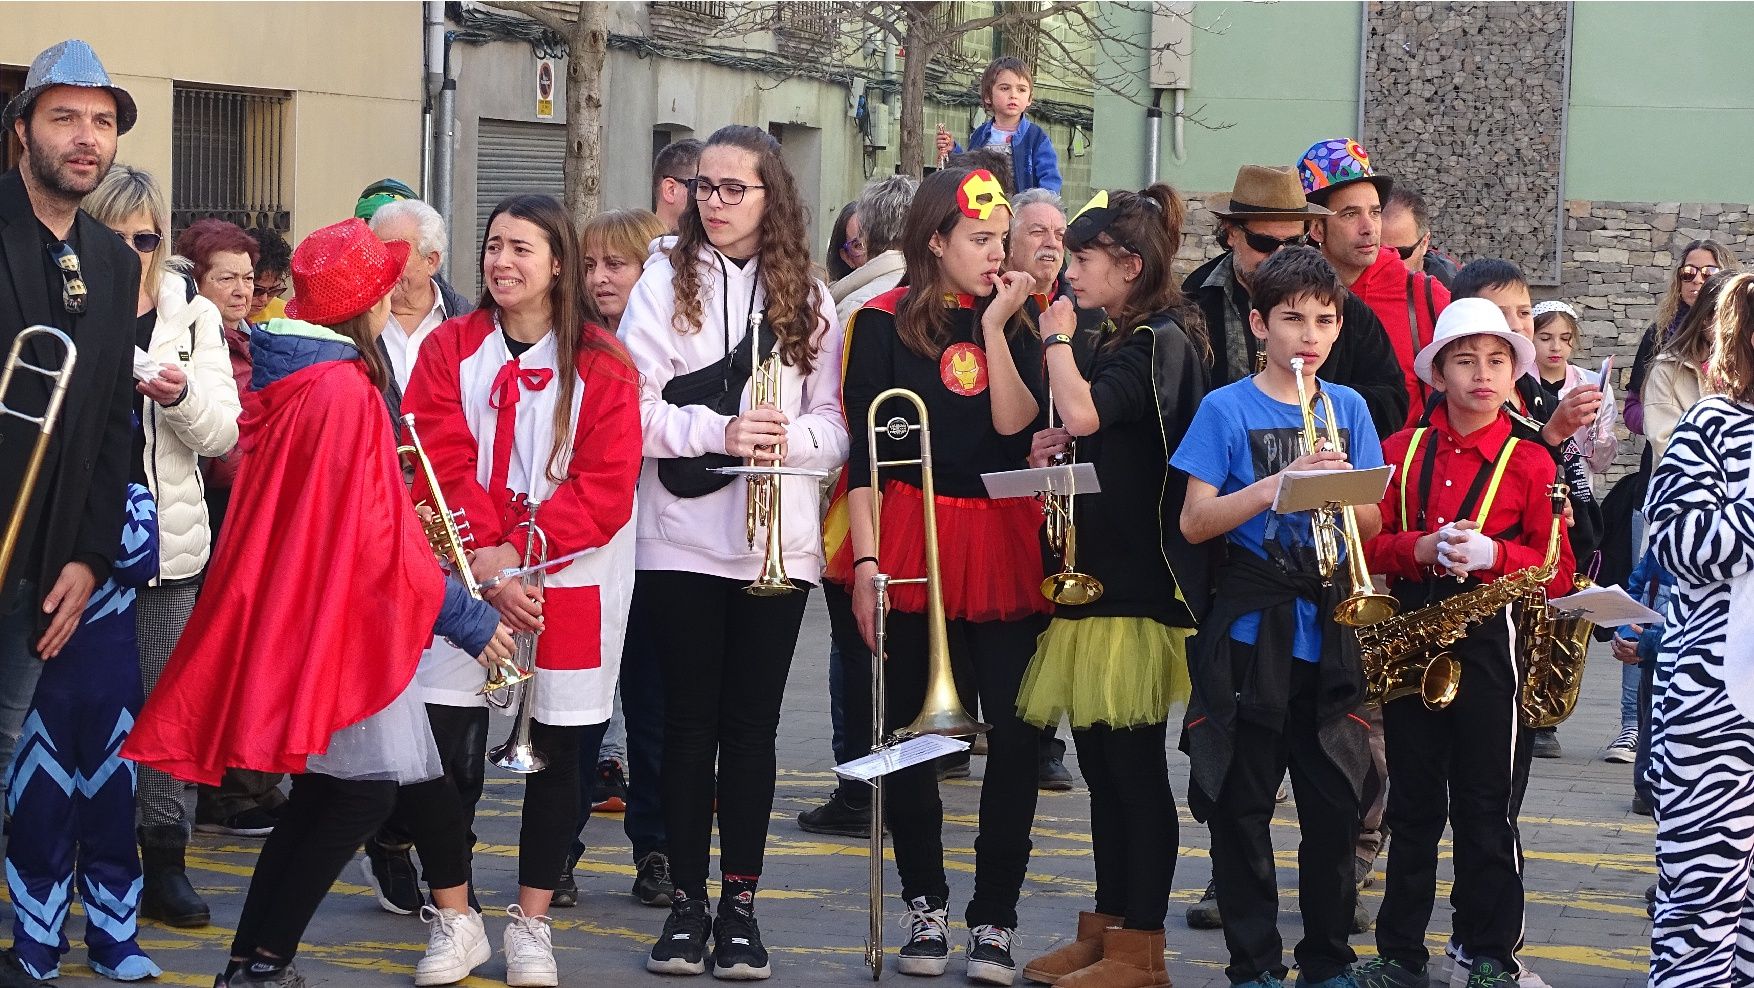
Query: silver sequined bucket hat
x,y
70,63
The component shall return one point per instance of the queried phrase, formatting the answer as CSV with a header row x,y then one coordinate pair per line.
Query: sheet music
x,y
1606,607
899,756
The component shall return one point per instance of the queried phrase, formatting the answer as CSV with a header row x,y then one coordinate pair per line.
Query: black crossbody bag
x,y
718,386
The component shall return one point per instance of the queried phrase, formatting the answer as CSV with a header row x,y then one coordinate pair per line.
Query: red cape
x,y
320,598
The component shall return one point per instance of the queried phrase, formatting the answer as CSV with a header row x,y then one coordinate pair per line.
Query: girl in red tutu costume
x,y
301,652
954,334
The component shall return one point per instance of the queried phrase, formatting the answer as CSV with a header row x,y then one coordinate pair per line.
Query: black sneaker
x,y
566,892
1640,805
1380,972
253,822
681,948
1650,902
1546,743
989,955
651,882
1051,773
390,873
738,954
953,766
838,817
260,975
609,795
1203,915
1488,973
927,951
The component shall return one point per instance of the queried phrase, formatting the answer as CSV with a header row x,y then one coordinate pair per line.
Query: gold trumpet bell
x,y
773,581
1360,610
1072,588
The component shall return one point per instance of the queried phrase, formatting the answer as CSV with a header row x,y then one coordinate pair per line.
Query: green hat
x,y
378,194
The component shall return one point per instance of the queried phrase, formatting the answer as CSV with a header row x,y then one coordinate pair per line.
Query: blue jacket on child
x,y
1034,162
1650,585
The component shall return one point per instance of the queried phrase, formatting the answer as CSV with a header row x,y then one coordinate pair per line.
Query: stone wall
x,y
1466,101
1619,259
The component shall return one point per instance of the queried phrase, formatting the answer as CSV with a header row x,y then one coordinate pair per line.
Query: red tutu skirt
x,y
989,554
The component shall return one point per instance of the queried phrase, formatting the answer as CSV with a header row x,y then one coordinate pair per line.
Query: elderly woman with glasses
x,y
189,411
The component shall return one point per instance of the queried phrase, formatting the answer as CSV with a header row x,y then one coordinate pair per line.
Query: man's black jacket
x,y
76,511
1362,358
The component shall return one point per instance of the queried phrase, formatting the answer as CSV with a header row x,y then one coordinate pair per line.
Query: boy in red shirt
x,y
1470,501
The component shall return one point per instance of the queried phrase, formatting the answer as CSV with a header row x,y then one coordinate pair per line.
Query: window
x,y
228,157
806,19
11,84
703,8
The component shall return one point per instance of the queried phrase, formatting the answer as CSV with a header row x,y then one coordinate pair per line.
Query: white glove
x,y
1465,550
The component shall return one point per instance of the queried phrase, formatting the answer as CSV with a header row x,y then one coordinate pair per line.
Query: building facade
x,y
246,112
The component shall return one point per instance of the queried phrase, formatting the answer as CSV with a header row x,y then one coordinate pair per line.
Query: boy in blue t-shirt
x,y
1006,89
1276,684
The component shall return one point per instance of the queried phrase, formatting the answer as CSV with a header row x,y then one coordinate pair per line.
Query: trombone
x,y
1068,586
1363,605
518,752
448,534
60,376
942,712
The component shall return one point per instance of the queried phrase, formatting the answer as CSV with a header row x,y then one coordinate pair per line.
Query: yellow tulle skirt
x,y
1119,671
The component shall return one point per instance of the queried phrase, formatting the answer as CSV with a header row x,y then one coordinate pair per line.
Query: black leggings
x,y
1133,827
725,656
436,815
998,652
325,821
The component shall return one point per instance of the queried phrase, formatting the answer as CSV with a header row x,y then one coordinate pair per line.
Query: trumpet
x,y
447,531
764,492
1068,586
942,712
1363,605
60,376
518,752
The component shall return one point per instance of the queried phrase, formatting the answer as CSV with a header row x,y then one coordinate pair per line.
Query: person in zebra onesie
x,y
1701,511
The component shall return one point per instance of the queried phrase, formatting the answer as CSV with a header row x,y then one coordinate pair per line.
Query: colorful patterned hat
x,y
1330,164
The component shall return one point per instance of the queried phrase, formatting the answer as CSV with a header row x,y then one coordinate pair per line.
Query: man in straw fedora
x,y
1267,210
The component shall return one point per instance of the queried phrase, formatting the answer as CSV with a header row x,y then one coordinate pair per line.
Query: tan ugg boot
x,y
1086,950
1130,959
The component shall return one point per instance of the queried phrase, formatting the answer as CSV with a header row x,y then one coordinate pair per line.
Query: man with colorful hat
x,y
1337,173
71,274
1267,210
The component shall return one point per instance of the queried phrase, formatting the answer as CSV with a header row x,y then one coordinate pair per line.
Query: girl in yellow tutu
x,y
1125,391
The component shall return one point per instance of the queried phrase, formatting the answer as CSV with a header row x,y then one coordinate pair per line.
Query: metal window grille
x,y
704,8
949,14
228,158
806,18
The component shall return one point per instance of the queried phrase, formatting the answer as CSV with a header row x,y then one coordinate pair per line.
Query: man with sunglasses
x,y
62,268
1267,210
1406,226
1337,174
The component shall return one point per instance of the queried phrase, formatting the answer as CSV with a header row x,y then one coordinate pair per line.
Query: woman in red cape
x,y
301,651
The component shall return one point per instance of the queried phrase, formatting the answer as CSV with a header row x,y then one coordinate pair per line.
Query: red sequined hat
x,y
341,271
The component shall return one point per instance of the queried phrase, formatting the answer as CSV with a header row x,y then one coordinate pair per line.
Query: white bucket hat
x,y
1473,317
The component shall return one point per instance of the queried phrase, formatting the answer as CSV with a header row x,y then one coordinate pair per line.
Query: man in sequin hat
x,y
65,270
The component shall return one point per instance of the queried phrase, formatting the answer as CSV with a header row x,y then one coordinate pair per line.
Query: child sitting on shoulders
x,y
1006,89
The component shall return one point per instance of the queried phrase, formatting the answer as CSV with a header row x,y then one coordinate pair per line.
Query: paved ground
x,y
1589,859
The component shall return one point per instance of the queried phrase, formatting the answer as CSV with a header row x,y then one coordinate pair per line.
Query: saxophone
x,y
1398,653
1557,643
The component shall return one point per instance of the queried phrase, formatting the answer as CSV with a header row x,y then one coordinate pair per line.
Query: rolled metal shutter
x,y
513,157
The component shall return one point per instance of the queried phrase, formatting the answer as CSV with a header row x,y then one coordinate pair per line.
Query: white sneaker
x,y
1624,750
456,944
529,951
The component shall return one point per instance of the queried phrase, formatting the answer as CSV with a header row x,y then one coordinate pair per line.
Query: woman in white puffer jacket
x,y
190,410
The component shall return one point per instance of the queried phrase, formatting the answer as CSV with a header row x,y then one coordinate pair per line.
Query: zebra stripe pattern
x,y
1701,512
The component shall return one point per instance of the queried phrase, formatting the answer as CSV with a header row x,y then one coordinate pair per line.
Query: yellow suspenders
x,y
1486,500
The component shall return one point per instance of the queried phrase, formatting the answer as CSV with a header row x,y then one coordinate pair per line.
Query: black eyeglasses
x,y
145,243
1261,243
72,285
1689,272
1407,251
730,193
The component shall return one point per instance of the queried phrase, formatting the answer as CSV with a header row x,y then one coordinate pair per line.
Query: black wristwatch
x,y
1056,338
